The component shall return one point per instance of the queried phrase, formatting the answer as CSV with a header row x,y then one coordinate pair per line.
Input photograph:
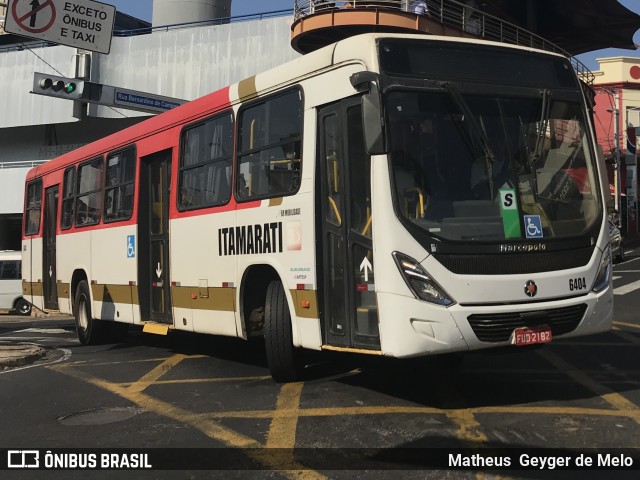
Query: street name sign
x,y
147,101
82,24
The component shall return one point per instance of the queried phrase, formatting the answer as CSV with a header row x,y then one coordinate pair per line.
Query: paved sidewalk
x,y
19,355
14,354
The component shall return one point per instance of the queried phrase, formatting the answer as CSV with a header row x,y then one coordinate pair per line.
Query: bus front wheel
x,y
286,362
88,329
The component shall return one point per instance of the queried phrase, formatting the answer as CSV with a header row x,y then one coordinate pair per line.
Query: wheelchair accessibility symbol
x,y
131,246
533,226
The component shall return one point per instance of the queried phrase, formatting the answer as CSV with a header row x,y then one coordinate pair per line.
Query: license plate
x,y
531,336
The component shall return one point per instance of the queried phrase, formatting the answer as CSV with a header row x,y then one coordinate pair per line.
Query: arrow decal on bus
x,y
366,266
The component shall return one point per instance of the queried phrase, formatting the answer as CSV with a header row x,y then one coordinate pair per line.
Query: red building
x,y
617,123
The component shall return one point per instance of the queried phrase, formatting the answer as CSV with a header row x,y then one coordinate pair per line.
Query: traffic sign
x,y
82,24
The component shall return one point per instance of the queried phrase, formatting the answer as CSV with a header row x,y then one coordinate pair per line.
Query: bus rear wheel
x,y
88,329
286,362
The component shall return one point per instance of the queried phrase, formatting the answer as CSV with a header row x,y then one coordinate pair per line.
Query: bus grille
x,y
497,327
512,264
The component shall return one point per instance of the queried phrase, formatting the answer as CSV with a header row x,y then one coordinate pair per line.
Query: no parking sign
x,y
82,24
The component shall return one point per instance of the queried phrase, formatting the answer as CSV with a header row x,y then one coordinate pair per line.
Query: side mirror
x,y
372,112
373,124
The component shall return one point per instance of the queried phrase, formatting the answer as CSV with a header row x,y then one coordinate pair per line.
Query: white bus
x,y
397,195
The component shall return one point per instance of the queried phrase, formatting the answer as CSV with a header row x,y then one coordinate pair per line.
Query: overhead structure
x,y
574,27
577,26
320,23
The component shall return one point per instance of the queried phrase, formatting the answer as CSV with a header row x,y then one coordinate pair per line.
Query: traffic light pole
x,y
99,94
82,68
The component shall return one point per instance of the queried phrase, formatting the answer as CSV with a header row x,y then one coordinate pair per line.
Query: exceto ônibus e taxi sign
x,y
82,24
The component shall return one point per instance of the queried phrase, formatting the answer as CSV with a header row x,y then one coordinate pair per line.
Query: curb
x,y
19,355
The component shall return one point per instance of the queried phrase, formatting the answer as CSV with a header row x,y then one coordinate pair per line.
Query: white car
x,y
11,283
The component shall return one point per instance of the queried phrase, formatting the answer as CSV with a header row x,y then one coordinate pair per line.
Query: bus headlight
x,y
604,271
420,282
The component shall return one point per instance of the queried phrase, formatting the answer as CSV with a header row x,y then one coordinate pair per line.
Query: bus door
x,y
347,288
153,231
49,248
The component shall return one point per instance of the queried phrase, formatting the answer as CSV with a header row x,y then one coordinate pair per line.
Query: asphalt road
x,y
187,391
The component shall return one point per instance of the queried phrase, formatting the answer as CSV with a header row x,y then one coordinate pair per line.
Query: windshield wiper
x,y
535,155
475,129
543,124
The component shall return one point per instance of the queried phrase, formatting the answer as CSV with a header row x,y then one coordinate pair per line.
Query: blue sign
x,y
533,226
156,103
131,246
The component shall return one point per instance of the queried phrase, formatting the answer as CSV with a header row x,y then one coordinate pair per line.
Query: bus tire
x,y
286,362
88,329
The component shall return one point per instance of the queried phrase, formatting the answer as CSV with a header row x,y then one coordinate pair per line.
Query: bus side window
x,y
89,199
34,205
119,189
269,147
68,198
205,163
334,198
359,175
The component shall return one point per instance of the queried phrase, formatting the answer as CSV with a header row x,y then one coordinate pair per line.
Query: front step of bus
x,y
156,328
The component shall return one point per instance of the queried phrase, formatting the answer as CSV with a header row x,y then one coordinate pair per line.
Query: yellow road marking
x,y
214,380
469,428
142,360
282,432
396,410
615,399
156,373
624,324
201,422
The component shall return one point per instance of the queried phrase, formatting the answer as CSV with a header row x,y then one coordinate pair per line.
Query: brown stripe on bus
x,y
305,302
63,290
114,293
211,298
247,88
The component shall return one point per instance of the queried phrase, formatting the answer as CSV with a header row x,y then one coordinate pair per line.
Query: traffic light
x,y
61,87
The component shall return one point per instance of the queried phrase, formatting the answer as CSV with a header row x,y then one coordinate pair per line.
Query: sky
x,y
142,9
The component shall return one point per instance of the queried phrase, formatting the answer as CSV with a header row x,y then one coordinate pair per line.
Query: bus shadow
x,y
498,377
509,376
217,347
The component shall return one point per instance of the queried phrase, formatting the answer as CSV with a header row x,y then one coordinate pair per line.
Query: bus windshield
x,y
471,167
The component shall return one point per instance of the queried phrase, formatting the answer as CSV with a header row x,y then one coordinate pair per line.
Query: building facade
x,y
617,122
184,63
